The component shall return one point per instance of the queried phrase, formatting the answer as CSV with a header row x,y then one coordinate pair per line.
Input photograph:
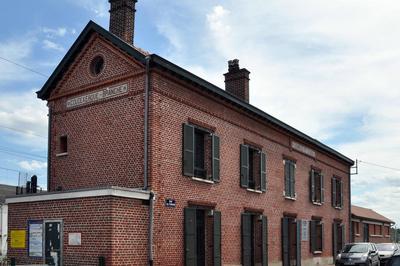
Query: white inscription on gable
x,y
103,94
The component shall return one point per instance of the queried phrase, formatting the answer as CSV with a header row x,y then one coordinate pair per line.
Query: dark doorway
x,y
201,237
291,243
338,237
53,244
366,233
254,239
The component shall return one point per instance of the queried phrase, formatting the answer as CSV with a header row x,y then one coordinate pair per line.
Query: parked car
x,y
394,260
358,254
386,251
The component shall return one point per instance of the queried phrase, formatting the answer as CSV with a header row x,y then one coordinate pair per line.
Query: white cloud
x,y
328,68
32,165
57,32
47,44
99,8
23,111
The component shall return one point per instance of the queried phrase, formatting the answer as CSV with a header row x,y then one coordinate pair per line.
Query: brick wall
x,y
374,236
105,139
115,228
172,105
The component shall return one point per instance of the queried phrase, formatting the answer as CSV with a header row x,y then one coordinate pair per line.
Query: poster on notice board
x,y
35,239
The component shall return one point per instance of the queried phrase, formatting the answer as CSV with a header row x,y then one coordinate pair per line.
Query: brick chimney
x,y
237,80
122,19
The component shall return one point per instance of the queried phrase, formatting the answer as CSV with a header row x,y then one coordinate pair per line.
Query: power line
x,y
378,165
9,169
22,154
23,131
24,67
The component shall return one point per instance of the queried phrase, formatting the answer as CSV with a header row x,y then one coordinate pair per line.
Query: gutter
x,y
350,222
150,236
146,123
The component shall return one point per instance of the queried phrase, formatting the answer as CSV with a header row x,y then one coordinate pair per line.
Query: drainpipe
x,y
49,149
151,217
146,122
350,223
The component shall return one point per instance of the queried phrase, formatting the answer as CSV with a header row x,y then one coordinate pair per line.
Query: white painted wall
x,y
3,229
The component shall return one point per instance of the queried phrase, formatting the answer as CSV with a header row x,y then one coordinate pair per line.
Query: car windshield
x,y
355,248
386,247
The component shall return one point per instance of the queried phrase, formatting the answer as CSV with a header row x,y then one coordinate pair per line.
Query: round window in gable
x,y
97,65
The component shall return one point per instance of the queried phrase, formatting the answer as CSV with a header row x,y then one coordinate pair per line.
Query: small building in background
x,y
5,191
370,226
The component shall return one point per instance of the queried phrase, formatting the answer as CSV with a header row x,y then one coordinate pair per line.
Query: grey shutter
x,y
244,165
298,243
264,241
322,188
334,239
342,236
190,237
285,242
217,238
287,178
322,236
263,172
341,193
313,235
292,180
246,239
215,158
333,192
188,150
312,185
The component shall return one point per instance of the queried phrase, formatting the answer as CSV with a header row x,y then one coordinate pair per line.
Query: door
x,y
366,233
291,248
53,244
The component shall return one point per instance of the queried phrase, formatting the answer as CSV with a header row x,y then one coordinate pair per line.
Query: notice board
x,y
18,238
35,238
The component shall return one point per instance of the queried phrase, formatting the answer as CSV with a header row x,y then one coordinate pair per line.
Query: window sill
x,y
289,198
61,154
338,208
317,252
254,190
357,234
317,203
202,180
376,235
387,235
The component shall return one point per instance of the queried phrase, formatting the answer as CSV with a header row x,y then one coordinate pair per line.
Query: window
x,y
337,192
254,239
97,65
200,153
252,168
291,241
357,228
202,236
63,145
338,237
290,167
317,190
316,235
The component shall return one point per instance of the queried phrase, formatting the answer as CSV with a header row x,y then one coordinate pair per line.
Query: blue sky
x,y
330,69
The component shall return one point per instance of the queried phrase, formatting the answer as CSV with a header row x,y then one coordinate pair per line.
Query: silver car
x,y
358,254
386,251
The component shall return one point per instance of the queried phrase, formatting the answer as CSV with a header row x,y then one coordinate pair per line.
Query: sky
x,y
327,68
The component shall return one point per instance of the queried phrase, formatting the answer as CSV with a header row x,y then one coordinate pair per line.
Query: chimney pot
x,y
237,80
122,19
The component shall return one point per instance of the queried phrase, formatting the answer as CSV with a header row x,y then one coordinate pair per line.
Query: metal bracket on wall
x,y
354,169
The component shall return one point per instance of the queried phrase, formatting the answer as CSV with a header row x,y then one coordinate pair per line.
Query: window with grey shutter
x,y
190,236
313,236
188,150
217,238
341,193
244,165
292,180
333,192
264,241
246,239
263,172
312,185
335,239
322,189
215,158
287,178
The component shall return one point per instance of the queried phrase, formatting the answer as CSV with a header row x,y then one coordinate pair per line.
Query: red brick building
x,y
370,226
150,164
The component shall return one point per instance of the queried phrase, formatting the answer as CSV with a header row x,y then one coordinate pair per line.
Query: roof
x,y
6,191
158,61
368,214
